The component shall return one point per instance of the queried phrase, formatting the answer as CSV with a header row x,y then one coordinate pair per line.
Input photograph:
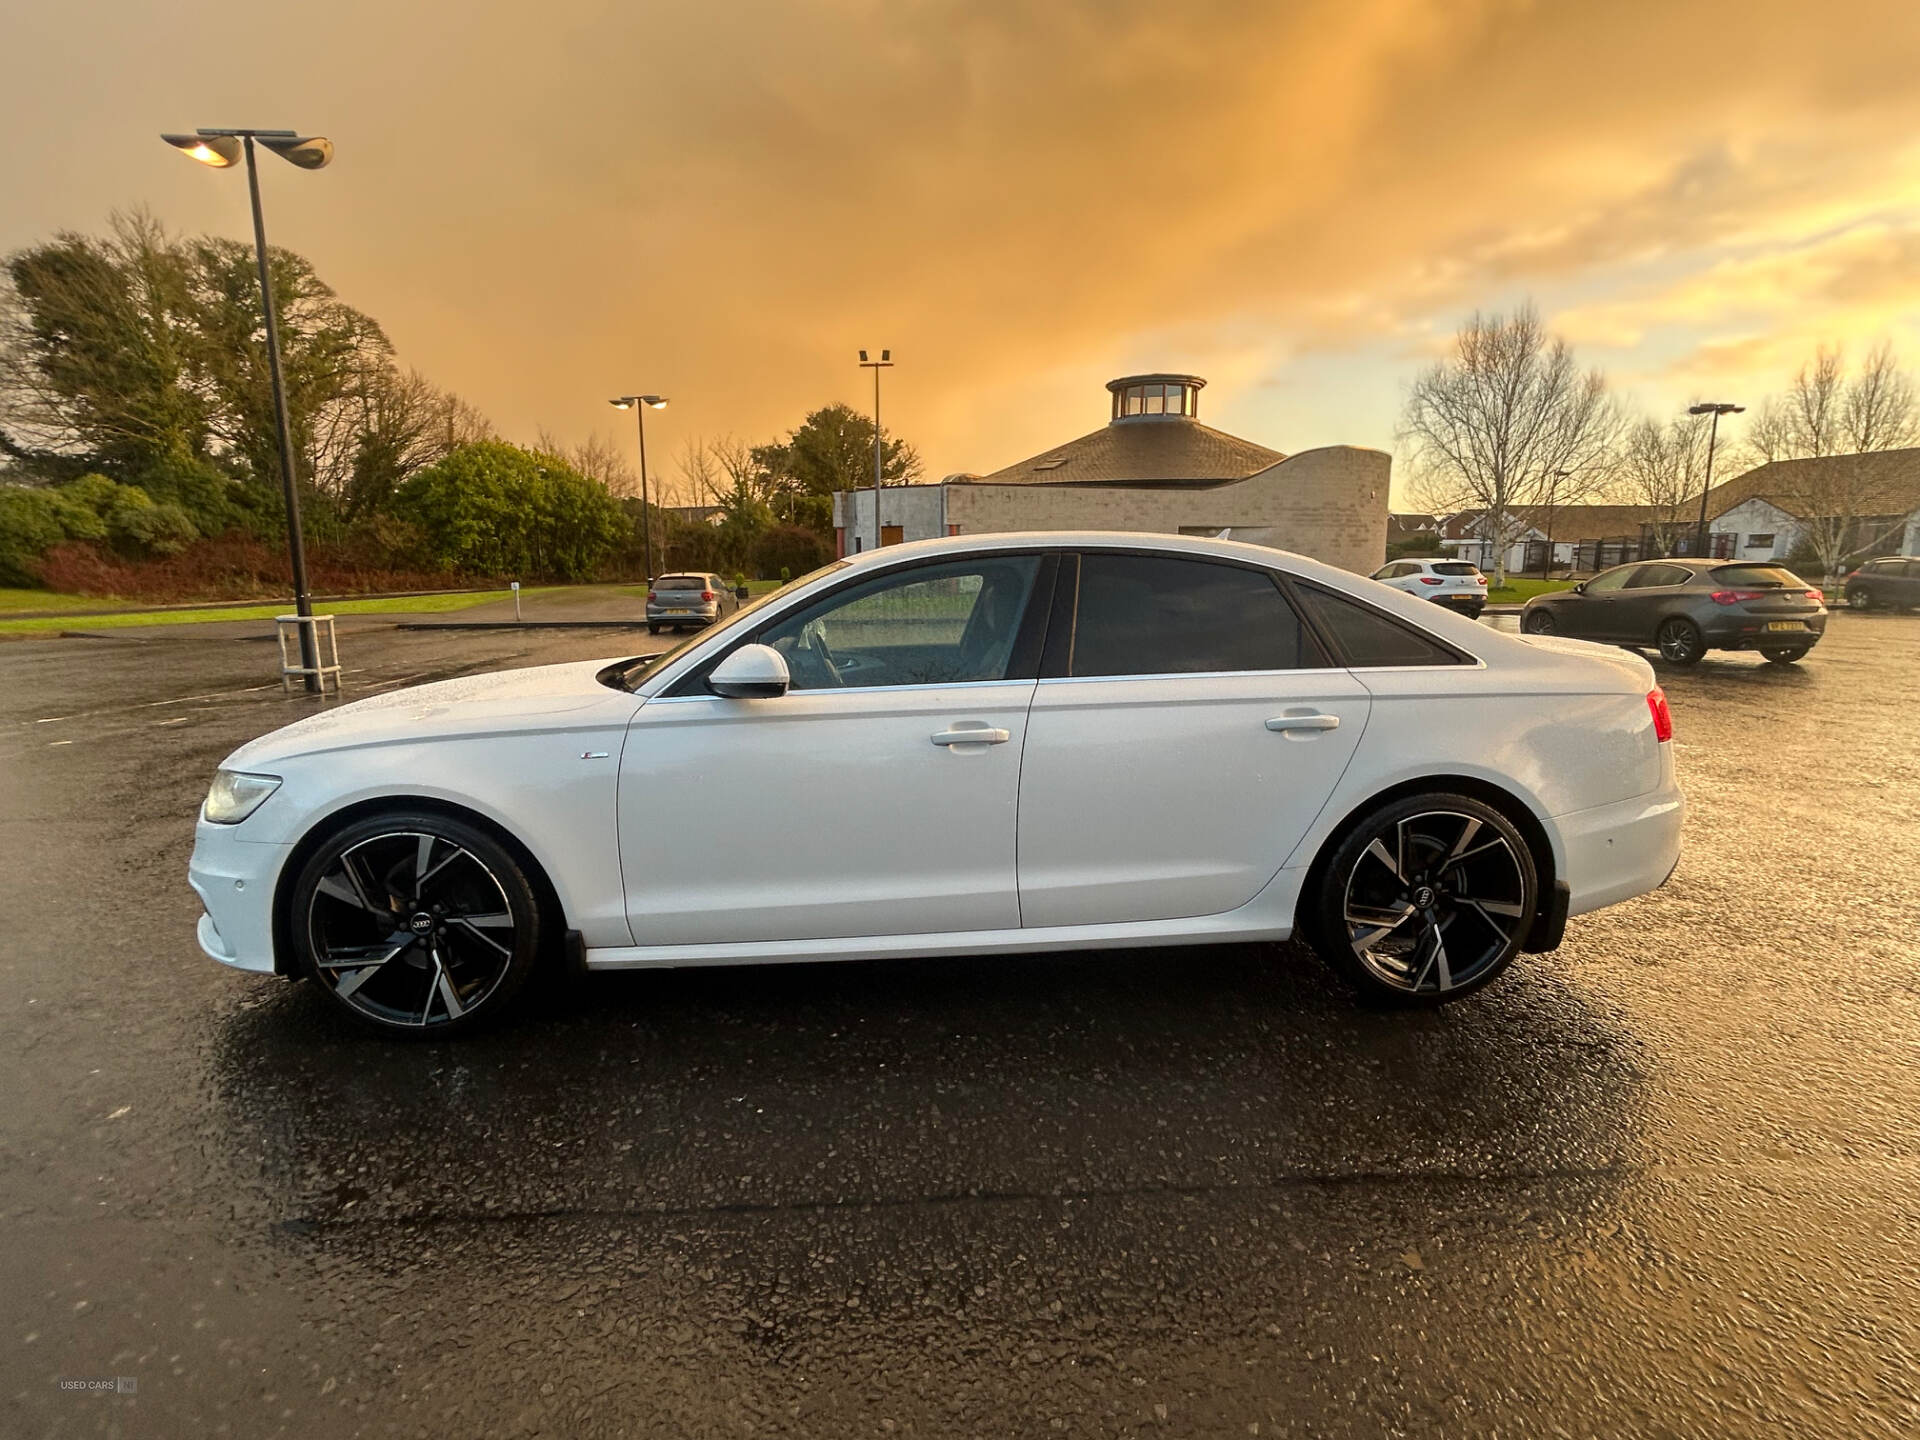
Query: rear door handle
x,y
973,735
1304,722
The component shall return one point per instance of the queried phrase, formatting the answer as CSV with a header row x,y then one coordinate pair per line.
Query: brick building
x,y
1152,467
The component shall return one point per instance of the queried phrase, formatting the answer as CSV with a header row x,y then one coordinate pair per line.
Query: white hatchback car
x,y
959,747
1456,584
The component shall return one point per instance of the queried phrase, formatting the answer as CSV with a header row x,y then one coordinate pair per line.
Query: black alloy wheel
x,y
1680,642
416,924
1785,654
1424,901
1538,622
1859,597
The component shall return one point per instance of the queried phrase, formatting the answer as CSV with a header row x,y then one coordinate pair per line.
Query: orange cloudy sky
x,y
549,203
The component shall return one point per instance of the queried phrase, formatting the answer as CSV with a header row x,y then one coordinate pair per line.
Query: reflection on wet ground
x,y
1656,1183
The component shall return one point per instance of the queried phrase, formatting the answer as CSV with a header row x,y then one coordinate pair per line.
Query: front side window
x,y
1368,639
929,625
1610,580
1155,615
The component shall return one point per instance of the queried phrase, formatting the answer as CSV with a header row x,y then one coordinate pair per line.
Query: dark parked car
x,y
1688,607
1892,582
695,598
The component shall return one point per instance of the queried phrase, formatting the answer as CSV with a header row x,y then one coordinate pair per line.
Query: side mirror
x,y
753,672
741,592
1580,587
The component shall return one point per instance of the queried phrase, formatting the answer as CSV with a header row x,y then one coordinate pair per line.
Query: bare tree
x,y
1505,422
595,457
1844,503
1663,467
701,472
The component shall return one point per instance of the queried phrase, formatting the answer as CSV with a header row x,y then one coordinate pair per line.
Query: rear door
x,y
1186,731
1646,599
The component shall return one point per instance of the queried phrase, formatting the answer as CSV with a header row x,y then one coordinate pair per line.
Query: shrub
x,y
32,522
783,549
495,508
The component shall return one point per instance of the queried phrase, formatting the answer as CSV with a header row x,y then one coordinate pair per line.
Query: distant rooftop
x,y
1151,438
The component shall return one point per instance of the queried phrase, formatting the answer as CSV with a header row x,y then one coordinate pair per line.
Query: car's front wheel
x,y
1681,642
1425,900
1859,597
416,923
1537,622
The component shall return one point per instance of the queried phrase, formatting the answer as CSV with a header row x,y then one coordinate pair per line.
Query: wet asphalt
x,y
1661,1182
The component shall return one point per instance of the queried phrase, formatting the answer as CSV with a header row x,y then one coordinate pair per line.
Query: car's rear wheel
x,y
1859,597
416,923
1784,654
1537,622
1681,642
1425,900
653,629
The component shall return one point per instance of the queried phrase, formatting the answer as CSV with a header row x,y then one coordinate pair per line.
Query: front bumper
x,y
235,881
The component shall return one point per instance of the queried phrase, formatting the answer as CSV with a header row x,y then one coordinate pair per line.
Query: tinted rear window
x,y
1757,575
1368,638
1456,567
1147,615
680,582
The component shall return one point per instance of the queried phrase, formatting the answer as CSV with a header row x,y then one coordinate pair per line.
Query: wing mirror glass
x,y
753,672
1580,588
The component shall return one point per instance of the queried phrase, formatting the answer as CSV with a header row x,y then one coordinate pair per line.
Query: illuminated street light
x,y
885,362
640,404
222,149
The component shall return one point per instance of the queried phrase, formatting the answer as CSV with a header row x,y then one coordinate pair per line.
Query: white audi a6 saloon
x,y
959,747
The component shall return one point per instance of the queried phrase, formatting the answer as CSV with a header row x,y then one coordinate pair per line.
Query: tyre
x,y
415,923
1784,654
652,629
1537,622
1859,597
1423,901
1680,641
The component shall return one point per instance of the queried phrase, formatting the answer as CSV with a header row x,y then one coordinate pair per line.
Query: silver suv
x,y
692,598
1455,584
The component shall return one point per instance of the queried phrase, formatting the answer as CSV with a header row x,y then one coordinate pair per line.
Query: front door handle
x,y
973,735
1304,722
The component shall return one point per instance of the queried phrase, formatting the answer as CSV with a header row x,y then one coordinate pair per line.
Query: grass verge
x,y
1516,592
399,604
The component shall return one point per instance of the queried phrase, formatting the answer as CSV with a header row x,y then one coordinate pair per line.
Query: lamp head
x,y
309,152
863,357
219,151
625,402
654,402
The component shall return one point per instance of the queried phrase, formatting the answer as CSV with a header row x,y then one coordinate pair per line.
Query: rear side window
x,y
1455,567
1152,615
1756,575
1366,638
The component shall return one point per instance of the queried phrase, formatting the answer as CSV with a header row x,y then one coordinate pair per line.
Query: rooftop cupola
x,y
1156,397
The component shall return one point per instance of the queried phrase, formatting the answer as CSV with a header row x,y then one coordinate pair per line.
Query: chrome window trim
x,y
862,690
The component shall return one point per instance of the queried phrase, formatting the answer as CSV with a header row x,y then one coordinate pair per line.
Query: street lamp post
x,y
885,362
222,149
640,404
1715,408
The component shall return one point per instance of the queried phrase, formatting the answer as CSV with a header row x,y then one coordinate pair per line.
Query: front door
x,y
1596,614
876,797
1188,733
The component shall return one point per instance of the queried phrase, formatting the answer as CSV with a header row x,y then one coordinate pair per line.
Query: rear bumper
x,y
1614,852
683,615
1750,633
1465,603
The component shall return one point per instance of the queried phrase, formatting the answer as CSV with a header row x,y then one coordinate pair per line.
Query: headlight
x,y
236,795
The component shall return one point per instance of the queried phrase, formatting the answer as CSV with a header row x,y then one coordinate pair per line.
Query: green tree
x,y
496,509
833,450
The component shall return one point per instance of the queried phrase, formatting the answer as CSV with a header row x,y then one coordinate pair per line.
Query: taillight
x,y
649,597
1431,580
1662,716
1482,579
1736,597
706,594
1817,595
